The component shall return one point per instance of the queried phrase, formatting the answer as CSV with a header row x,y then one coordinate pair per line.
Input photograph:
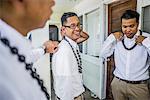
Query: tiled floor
x,y
87,95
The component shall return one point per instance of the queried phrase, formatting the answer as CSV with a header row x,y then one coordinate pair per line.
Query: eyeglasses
x,y
73,26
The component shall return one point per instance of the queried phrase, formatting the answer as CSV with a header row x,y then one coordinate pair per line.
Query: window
x,y
146,19
93,29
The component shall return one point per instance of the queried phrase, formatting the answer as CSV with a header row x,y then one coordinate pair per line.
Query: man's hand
x,y
118,35
140,39
83,36
51,46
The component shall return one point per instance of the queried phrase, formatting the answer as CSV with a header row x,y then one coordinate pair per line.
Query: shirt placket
x,y
128,64
128,60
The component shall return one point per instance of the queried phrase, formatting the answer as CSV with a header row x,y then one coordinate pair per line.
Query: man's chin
x,y
130,36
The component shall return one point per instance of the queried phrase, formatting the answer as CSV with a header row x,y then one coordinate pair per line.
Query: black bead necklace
x,y
28,66
132,46
127,47
77,56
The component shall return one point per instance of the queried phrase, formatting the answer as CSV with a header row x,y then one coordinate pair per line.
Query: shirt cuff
x,y
146,42
43,49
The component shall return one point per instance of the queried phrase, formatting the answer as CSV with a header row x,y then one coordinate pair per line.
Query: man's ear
x,y
63,31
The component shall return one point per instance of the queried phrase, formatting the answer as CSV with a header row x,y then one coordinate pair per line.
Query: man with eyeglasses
x,y
66,62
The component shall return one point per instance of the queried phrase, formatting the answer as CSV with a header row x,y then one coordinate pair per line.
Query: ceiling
x,y
62,6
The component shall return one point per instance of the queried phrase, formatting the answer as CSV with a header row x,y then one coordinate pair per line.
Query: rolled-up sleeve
x,y
36,54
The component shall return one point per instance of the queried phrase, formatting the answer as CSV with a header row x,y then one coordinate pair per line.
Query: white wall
x,y
86,6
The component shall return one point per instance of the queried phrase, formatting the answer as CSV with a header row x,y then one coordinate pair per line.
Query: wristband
x,y
44,48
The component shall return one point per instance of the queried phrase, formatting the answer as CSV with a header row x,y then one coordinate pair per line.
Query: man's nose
x,y
77,28
128,29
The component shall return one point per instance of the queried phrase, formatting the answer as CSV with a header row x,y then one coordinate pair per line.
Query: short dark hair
x,y
67,15
130,14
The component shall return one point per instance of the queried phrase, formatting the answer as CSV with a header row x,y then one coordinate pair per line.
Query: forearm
x,y
108,47
83,36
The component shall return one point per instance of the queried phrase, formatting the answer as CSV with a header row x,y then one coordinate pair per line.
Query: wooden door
x,y
115,11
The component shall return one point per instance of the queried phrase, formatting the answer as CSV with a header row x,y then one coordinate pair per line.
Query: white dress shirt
x,y
67,80
16,82
129,64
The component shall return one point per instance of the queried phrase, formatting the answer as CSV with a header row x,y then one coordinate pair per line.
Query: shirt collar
x,y
73,43
138,33
15,38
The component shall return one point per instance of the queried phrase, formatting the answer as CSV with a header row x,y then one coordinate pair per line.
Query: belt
x,y
133,82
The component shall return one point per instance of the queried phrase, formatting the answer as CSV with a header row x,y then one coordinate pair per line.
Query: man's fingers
x,y
55,50
118,35
56,43
51,46
139,39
